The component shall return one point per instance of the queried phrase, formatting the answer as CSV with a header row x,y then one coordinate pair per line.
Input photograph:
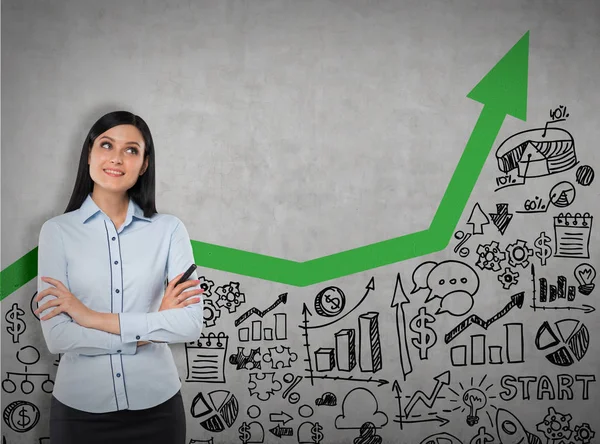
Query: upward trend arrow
x,y
440,381
503,91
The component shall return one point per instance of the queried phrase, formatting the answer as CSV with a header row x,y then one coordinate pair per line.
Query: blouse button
x,y
116,262
117,290
118,351
137,337
113,238
118,375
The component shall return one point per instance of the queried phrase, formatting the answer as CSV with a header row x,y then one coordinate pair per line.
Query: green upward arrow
x,y
502,91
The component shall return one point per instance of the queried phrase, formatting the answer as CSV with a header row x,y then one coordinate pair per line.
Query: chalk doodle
x,y
511,431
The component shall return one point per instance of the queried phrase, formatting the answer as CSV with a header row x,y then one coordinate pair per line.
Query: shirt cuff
x,y
134,327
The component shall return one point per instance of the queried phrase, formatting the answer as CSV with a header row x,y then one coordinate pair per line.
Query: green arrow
x,y
503,91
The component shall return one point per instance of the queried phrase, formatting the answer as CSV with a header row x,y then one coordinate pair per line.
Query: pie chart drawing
x,y
567,341
562,194
217,411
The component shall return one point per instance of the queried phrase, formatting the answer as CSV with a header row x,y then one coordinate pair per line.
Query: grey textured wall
x,y
302,129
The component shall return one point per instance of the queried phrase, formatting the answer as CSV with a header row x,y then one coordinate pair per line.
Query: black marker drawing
x,y
370,287
535,153
282,417
217,411
327,399
253,411
244,361
535,205
27,355
206,358
401,419
511,431
305,411
562,194
305,313
475,399
463,238
426,336
518,254
21,416
330,302
585,275
501,218
477,219
310,433
251,432
542,387
263,386
584,433
543,248
324,359
584,307
442,438
211,313
368,435
513,347
508,278
455,283
203,441
555,425
280,357
14,318
369,342
481,437
206,285
559,114
230,296
516,300
490,256
345,348
569,344
441,380
557,292
399,300
281,299
261,333
279,431
360,406
584,175
572,235
289,378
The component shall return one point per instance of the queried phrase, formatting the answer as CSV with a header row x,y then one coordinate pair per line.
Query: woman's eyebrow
x,y
110,138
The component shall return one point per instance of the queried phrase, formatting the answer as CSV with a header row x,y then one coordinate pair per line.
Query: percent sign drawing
x,y
502,91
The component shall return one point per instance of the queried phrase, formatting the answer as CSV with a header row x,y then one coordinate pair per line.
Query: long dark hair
x,y
143,192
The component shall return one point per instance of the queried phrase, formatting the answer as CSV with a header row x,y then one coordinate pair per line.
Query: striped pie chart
x,y
567,341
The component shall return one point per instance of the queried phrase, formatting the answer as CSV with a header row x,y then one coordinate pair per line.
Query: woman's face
x,y
120,148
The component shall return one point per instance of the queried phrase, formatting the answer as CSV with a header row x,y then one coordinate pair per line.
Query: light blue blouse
x,y
120,271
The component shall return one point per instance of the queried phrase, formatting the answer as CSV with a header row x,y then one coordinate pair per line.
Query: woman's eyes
x,y
135,150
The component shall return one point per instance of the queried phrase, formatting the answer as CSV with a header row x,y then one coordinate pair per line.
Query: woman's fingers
x,y
47,305
191,301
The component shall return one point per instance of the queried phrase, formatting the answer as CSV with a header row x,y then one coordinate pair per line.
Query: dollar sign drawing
x,y
24,419
16,324
244,432
335,302
427,337
545,250
317,435
482,437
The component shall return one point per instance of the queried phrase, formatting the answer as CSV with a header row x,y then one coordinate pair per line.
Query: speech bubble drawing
x,y
450,276
456,303
419,276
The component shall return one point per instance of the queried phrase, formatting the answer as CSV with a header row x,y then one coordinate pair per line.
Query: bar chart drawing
x,y
479,354
558,292
344,357
258,332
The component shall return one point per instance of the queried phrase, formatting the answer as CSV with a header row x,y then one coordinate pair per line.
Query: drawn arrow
x,y
516,300
282,417
379,382
477,219
399,300
440,381
584,307
281,299
503,91
282,431
305,314
442,421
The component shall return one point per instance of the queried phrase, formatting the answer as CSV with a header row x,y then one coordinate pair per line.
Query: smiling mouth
x,y
114,175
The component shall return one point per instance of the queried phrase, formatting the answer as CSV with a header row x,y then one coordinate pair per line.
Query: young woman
x,y
102,302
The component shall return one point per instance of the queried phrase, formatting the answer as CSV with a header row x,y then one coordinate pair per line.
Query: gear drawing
x,y
280,358
206,285
555,425
584,433
519,254
490,256
211,313
230,296
264,386
508,278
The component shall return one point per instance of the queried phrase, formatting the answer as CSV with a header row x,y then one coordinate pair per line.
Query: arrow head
x,y
518,299
443,421
396,387
505,87
588,308
283,297
399,294
305,310
443,378
371,284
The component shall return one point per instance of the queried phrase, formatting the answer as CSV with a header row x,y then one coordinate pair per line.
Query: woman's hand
x,y
175,297
65,302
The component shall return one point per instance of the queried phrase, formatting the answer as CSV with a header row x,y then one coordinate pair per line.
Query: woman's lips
x,y
113,175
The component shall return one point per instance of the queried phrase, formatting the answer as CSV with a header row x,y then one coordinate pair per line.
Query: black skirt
x,y
162,424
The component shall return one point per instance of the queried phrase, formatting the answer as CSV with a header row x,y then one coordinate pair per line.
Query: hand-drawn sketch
x,y
359,406
280,357
21,416
327,399
584,175
513,348
501,218
205,358
216,411
293,381
310,433
518,253
263,386
572,235
543,387
246,361
305,411
426,336
585,275
477,219
568,345
463,238
230,296
552,295
562,194
399,300
281,299
368,435
490,256
428,400
543,248
481,437
508,278
14,318
441,438
27,355
211,313
251,432
330,302
511,431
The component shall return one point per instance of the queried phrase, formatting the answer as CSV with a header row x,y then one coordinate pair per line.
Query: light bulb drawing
x,y
475,399
585,275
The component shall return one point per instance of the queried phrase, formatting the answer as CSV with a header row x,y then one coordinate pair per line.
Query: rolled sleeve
x,y
175,325
60,332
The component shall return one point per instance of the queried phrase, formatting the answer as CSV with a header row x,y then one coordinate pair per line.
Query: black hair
x,y
143,192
